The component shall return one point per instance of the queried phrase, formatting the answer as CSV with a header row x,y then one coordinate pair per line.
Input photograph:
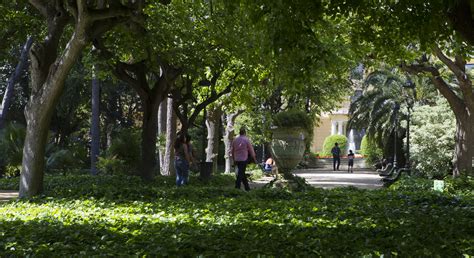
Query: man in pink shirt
x,y
241,149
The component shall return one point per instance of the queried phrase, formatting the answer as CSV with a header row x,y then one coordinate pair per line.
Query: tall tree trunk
x,y
151,96
20,67
49,70
212,125
162,130
149,130
47,82
228,121
95,121
168,167
464,146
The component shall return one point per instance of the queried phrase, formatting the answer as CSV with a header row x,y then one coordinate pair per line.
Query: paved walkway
x,y
6,195
324,178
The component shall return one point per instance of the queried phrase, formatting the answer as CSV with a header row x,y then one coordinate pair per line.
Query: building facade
x,y
333,123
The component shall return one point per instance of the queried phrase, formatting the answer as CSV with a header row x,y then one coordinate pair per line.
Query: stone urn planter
x,y
290,131
288,147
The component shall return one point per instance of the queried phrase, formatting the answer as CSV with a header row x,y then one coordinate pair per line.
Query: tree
x,y
213,117
460,97
228,122
51,61
409,32
376,110
15,76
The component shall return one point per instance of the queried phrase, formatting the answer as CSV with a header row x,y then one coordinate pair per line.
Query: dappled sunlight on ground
x,y
324,178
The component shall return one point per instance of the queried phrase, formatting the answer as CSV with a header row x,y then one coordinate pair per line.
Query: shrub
x,y
60,159
12,138
124,152
111,165
296,118
329,144
88,216
370,150
432,139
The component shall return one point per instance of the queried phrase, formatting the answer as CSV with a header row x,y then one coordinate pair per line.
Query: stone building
x,y
335,122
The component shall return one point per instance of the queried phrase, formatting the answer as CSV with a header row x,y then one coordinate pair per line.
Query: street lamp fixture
x,y
409,85
396,108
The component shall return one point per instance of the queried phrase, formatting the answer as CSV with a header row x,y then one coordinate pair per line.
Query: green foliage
x,y
432,139
370,150
111,165
123,155
460,186
294,118
329,144
374,109
65,159
123,216
12,138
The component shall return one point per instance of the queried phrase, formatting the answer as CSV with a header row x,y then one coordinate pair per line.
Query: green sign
x,y
438,185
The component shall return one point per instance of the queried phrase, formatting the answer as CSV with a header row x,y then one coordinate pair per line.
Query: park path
x,y
325,178
6,195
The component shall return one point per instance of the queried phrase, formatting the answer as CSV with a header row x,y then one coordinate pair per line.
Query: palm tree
x,y
383,104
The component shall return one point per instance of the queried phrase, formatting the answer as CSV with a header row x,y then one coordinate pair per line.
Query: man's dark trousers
x,y
241,167
336,159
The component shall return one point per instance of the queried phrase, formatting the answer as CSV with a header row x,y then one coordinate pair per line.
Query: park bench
x,y
387,171
388,180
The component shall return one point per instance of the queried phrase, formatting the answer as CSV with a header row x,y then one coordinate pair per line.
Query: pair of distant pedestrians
x,y
336,158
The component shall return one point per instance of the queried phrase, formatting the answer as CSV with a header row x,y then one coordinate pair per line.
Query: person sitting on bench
x,y
269,163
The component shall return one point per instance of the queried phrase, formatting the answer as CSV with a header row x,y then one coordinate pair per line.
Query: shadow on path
x,y
324,178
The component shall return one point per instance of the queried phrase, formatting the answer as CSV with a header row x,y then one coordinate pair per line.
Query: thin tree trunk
x,y
20,67
212,125
149,130
162,130
168,167
95,121
228,122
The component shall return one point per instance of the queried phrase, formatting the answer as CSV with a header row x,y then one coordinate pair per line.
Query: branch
x,y
81,7
122,72
458,71
461,18
454,101
458,68
71,9
41,6
103,14
210,100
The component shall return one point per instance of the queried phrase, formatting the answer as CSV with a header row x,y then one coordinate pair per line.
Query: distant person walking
x,y
350,165
336,156
181,160
241,149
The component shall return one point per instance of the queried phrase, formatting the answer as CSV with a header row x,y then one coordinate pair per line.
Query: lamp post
x,y
409,85
396,108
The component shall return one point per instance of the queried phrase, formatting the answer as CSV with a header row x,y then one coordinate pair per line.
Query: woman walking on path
x,y
181,160
241,149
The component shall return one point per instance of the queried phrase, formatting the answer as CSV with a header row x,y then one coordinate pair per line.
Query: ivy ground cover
x,y
122,216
